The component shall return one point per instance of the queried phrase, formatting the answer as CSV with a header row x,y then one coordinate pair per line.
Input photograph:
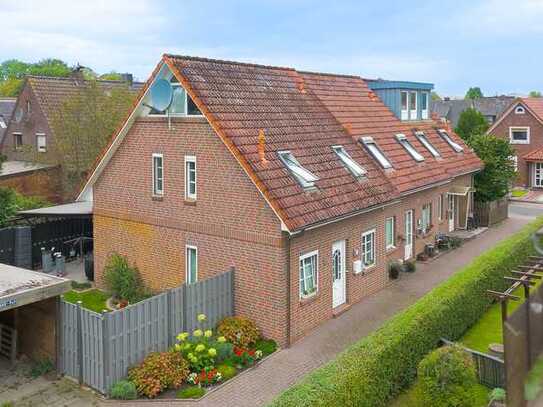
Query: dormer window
x,y
520,110
306,178
412,105
354,168
404,99
375,151
445,136
426,143
409,147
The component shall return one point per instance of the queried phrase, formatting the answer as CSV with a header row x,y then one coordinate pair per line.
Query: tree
x,y
435,96
535,94
474,93
11,202
499,170
111,76
471,123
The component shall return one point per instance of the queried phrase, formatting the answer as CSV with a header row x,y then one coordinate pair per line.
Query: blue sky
x,y
494,44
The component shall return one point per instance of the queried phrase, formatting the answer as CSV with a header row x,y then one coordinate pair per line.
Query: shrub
x,y
81,286
394,269
227,371
191,392
158,372
240,331
266,346
376,368
498,394
41,367
455,242
123,390
410,266
123,280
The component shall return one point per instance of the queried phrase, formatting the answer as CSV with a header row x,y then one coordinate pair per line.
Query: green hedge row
x,y
375,369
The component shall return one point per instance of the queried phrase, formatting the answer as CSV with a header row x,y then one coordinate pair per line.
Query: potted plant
x,y
394,269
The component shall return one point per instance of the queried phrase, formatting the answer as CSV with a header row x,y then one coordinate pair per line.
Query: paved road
x,y
531,210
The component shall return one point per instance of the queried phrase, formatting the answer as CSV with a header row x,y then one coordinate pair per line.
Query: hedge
x,y
375,369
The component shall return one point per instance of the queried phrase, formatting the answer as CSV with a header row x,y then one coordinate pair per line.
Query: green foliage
x,y
76,285
499,171
95,300
535,94
266,346
123,390
11,202
13,71
471,123
375,369
110,76
41,367
123,280
239,330
227,371
498,394
410,266
474,93
159,371
191,392
435,96
518,193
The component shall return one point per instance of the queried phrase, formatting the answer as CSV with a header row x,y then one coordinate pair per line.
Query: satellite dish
x,y
19,115
161,94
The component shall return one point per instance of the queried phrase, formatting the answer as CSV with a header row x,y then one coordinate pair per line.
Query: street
x,y
529,210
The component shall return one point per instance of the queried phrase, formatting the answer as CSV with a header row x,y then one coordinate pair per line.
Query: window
x,y
192,109
404,99
514,160
374,150
368,248
303,176
191,253
355,169
440,207
41,143
519,135
412,105
445,136
28,108
158,175
424,105
426,217
308,274
426,143
17,141
389,233
520,110
182,104
409,147
190,177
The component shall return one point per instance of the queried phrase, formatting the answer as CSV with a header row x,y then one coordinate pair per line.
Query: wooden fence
x,y
490,213
97,349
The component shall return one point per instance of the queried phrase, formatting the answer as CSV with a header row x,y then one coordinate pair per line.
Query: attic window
x,y
374,150
520,110
354,168
303,176
182,104
426,143
445,136
409,147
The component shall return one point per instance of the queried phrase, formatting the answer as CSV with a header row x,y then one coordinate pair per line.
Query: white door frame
x,y
451,208
538,175
408,231
339,285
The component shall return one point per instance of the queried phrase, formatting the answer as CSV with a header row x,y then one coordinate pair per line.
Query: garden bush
x,y
123,280
375,369
498,394
266,346
123,390
191,392
410,266
158,372
239,330
227,371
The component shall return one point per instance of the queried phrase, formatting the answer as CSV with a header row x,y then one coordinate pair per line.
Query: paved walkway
x,y
288,366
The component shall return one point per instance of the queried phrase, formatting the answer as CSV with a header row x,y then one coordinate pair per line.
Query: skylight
x,y
356,169
409,147
374,150
445,136
426,143
304,177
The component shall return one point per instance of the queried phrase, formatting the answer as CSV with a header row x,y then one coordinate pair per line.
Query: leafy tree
x,y
474,93
535,94
11,202
11,87
111,76
471,123
499,170
435,96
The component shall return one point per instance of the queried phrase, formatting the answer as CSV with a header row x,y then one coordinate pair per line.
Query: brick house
x,y
522,125
306,183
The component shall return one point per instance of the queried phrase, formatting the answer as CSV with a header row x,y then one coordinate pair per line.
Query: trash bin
x,y
47,263
60,264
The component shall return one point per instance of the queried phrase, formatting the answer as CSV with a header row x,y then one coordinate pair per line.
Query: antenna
x,y
161,95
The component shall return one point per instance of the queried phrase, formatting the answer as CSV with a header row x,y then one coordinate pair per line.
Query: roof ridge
x,y
342,75
230,62
67,78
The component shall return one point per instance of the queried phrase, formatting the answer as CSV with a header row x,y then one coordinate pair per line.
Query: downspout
x,y
288,278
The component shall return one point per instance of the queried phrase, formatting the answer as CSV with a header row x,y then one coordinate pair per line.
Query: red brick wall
x,y
536,140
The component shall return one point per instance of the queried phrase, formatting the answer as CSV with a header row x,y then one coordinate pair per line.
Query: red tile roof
x,y
535,105
534,155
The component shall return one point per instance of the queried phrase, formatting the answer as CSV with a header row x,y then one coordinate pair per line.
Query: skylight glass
x,y
356,169
306,178
409,147
374,150
426,143
456,147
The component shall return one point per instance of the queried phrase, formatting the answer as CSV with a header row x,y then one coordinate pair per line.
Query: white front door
x,y
538,175
408,224
338,273
450,211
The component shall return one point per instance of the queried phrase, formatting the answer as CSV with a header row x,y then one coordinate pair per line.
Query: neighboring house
x,y
29,135
305,183
7,105
522,125
490,107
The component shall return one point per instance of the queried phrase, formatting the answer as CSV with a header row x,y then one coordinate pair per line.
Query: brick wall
x,y
43,183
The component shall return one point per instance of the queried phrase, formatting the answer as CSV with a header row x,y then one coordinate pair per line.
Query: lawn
x,y
94,299
518,193
407,398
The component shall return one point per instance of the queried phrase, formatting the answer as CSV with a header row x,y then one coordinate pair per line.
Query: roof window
x,y
375,151
354,168
306,178
409,147
426,143
445,136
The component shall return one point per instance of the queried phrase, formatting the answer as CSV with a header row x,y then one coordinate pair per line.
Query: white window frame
x,y
404,113
413,114
445,136
425,108
188,194
426,217
514,159
440,207
41,136
303,277
520,110
156,191
16,146
421,136
390,245
404,142
376,152
167,113
3,124
304,177
354,168
512,129
363,252
189,247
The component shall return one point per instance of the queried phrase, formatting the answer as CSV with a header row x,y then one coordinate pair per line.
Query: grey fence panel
x,y
69,355
176,298
7,245
92,350
23,247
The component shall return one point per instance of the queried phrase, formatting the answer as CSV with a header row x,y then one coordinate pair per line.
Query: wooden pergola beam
x,y
520,280
503,296
526,274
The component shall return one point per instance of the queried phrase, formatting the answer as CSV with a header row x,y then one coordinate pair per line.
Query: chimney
x,y
301,85
128,78
262,146
348,128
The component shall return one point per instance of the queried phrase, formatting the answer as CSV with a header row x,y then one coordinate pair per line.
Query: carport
x,y
29,306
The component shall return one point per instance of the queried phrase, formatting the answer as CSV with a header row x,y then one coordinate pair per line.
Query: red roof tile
x,y
535,105
534,155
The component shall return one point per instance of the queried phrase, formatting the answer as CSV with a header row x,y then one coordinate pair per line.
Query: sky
x,y
493,44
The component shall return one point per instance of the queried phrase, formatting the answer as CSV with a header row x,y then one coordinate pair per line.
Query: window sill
x,y
189,202
157,197
308,299
365,270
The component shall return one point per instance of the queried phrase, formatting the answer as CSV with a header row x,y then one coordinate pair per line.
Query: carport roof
x,y
71,209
